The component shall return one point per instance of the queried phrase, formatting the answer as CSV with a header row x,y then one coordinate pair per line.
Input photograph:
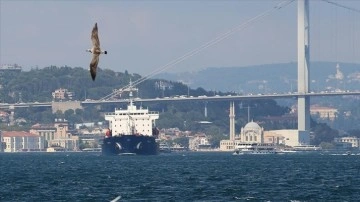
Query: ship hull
x,y
130,144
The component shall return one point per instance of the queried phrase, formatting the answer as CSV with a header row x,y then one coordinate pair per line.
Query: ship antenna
x,y
130,93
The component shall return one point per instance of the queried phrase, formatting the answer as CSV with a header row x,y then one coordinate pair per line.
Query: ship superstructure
x,y
132,121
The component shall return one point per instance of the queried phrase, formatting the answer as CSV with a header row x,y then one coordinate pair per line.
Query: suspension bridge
x,y
303,81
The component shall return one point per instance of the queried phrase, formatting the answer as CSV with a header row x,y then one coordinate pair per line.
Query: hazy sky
x,y
141,36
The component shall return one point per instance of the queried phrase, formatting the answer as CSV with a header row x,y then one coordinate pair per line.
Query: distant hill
x,y
270,78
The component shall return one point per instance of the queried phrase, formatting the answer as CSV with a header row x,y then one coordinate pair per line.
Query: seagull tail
x,y
93,74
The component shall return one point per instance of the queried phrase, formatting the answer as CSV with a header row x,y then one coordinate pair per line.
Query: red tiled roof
x,y
17,134
2,113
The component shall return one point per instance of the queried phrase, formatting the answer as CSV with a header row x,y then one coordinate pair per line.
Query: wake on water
x,y
116,199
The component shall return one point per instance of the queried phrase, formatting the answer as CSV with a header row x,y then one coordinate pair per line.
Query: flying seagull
x,y
95,50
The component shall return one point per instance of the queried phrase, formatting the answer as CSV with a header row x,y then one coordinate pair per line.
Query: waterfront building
x,y
199,142
287,137
353,141
17,141
47,131
2,143
62,137
228,145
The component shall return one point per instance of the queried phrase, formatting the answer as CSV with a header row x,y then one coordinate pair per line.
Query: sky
x,y
143,36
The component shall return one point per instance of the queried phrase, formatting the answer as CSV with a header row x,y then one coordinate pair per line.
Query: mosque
x,y
253,133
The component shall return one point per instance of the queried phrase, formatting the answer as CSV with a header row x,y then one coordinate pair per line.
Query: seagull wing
x,y
95,37
93,65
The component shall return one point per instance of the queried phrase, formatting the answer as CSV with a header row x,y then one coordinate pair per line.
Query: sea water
x,y
188,176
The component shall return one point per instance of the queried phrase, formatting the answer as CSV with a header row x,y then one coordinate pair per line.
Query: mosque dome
x,y
252,126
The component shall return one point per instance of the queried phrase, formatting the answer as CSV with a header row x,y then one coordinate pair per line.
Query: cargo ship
x,y
132,131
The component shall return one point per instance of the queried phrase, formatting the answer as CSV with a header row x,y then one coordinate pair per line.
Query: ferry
x,y
164,148
254,148
301,149
306,148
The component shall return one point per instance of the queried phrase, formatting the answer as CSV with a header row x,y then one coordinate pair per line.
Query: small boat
x,y
127,154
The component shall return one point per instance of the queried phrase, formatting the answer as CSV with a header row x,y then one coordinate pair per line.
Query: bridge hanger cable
x,y
204,46
353,10
342,6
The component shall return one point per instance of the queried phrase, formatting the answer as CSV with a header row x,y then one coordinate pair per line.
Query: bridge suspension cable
x,y
342,6
204,46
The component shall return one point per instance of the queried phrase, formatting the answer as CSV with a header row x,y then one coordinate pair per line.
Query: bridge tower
x,y
12,115
205,109
303,71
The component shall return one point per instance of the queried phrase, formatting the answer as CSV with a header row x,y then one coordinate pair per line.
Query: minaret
x,y
232,121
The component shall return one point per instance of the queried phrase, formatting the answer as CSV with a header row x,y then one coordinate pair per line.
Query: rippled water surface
x,y
178,177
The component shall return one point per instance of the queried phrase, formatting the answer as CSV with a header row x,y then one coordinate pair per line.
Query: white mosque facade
x,y
253,133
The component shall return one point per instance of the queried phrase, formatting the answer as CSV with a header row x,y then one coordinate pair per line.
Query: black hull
x,y
130,144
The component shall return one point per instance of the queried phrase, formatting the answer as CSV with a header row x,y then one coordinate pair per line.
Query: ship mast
x,y
130,89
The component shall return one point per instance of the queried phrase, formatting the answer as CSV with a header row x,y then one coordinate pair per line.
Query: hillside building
x,y
62,94
324,112
10,68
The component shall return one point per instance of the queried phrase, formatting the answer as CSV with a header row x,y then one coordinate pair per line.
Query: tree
x,y
323,133
68,113
183,141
